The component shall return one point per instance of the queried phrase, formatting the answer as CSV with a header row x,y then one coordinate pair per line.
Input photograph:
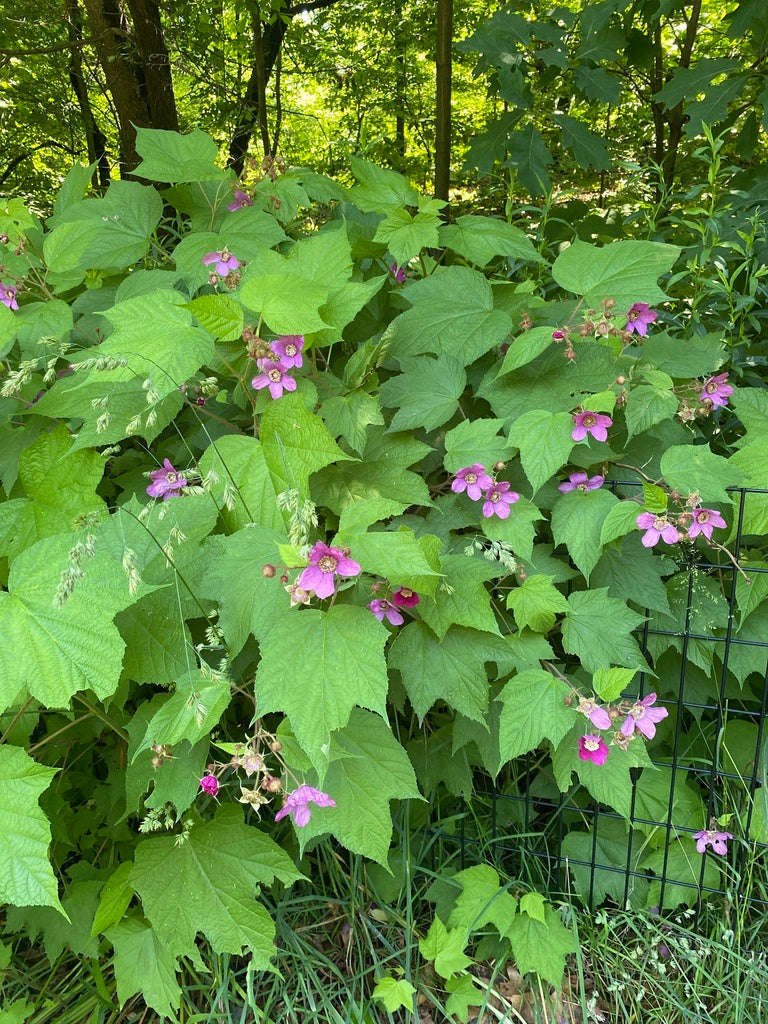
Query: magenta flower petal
x,y
594,423
324,563
472,479
166,482
209,784
716,390
404,597
288,348
638,318
593,748
297,804
713,838
383,609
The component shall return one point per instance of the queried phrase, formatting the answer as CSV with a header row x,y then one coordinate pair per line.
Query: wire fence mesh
x,y
716,757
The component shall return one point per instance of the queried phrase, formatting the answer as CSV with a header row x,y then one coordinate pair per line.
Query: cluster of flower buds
x,y
636,716
274,359
601,324
251,759
226,268
161,752
496,495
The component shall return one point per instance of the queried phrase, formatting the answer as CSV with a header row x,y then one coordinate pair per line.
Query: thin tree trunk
x,y
94,137
443,99
401,83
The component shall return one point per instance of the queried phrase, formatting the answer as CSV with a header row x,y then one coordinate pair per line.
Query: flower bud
x,y
284,578
274,785
275,746
558,335
268,571
620,380
498,466
156,761
376,587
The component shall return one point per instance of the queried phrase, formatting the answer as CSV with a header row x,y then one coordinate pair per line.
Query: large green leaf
x,y
426,394
208,883
536,603
169,156
545,442
406,234
296,443
54,651
597,629
451,670
690,468
609,783
144,966
451,313
475,440
462,599
400,557
26,875
541,946
316,666
577,523
368,769
239,479
626,271
380,188
190,713
479,239
60,488
534,709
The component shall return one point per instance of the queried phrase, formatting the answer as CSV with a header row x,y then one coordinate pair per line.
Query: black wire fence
x,y
712,761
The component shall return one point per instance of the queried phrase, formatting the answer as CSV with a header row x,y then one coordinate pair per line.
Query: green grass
x,y
353,922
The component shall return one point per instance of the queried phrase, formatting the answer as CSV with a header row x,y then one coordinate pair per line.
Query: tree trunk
x,y
94,137
136,69
443,99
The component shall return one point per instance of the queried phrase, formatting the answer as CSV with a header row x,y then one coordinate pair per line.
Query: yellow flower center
x,y
592,744
290,350
327,564
471,478
589,420
275,375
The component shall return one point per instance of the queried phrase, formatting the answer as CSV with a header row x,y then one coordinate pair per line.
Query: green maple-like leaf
x,y
296,443
597,630
400,556
446,948
426,394
690,468
368,769
145,965
55,651
451,669
577,523
316,666
60,487
169,156
393,993
534,709
26,876
451,313
208,883
482,901
249,602
536,603
462,599
545,442
626,271
479,239
541,947
405,234
379,187
241,483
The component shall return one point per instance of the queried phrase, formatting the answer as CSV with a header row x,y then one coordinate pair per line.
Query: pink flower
x,y
398,273
224,260
240,199
643,717
716,390
8,296
656,527
274,377
288,347
579,482
324,564
558,335
704,521
404,597
592,748
472,479
711,837
209,784
166,482
594,423
598,716
638,318
498,498
297,804
386,610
